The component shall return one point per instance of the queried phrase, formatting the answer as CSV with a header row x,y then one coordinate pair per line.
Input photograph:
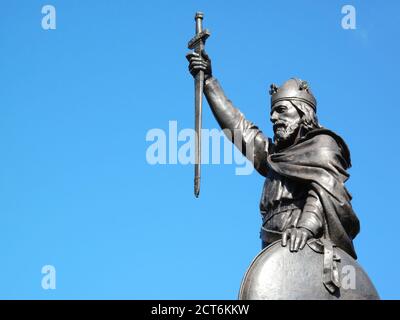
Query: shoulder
x,y
323,137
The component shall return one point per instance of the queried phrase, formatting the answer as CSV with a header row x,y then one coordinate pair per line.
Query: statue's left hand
x,y
297,238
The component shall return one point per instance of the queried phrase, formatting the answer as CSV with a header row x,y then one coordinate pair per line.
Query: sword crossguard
x,y
198,41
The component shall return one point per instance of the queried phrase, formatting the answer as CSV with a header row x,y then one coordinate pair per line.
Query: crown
x,y
293,89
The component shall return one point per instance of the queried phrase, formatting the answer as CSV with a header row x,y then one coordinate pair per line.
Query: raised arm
x,y
243,133
247,137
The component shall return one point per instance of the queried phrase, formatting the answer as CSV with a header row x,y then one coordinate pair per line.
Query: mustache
x,y
280,124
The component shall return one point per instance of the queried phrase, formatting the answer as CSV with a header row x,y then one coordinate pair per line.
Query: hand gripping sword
x,y
197,44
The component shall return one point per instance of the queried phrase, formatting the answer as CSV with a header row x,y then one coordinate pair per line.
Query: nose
x,y
274,117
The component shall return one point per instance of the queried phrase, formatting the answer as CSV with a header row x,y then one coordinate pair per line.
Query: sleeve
x,y
312,215
246,136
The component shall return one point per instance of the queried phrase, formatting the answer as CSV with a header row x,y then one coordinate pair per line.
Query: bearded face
x,y
285,130
286,122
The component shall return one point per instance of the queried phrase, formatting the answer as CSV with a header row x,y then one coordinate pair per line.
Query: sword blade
x,y
199,81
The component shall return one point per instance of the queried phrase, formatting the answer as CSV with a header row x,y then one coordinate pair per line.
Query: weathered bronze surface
x,y
304,199
277,273
197,44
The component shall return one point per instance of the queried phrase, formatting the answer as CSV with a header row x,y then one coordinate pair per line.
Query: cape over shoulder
x,y
326,137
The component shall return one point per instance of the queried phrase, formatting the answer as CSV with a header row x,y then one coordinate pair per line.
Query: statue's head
x,y
293,111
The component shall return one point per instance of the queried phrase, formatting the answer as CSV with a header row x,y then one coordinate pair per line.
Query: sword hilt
x,y
198,41
199,21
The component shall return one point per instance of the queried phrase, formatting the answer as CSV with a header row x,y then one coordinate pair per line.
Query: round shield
x,y
276,273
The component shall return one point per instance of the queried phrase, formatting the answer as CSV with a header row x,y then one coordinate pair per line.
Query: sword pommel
x,y
199,15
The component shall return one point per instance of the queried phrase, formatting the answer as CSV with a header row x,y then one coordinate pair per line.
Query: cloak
x,y
320,159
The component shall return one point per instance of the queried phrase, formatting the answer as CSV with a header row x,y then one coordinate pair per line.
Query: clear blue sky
x,y
75,106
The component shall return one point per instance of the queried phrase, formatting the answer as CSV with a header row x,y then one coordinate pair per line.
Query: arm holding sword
x,y
253,144
244,134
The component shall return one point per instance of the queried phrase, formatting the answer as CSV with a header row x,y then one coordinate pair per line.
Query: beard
x,y
285,132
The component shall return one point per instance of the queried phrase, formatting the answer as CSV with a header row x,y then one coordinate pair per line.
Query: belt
x,y
270,236
298,204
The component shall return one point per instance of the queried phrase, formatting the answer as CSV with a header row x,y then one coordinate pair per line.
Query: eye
x,y
280,109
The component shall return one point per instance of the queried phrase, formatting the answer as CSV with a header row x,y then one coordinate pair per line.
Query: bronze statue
x,y
304,199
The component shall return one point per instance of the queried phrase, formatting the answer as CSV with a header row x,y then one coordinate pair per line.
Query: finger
x,y
191,55
292,239
303,241
196,68
202,66
299,237
192,71
284,238
197,59
198,63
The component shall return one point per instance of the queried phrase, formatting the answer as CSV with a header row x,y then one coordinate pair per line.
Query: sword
x,y
197,44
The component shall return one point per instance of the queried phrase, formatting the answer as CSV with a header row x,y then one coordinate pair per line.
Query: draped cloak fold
x,y
321,159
